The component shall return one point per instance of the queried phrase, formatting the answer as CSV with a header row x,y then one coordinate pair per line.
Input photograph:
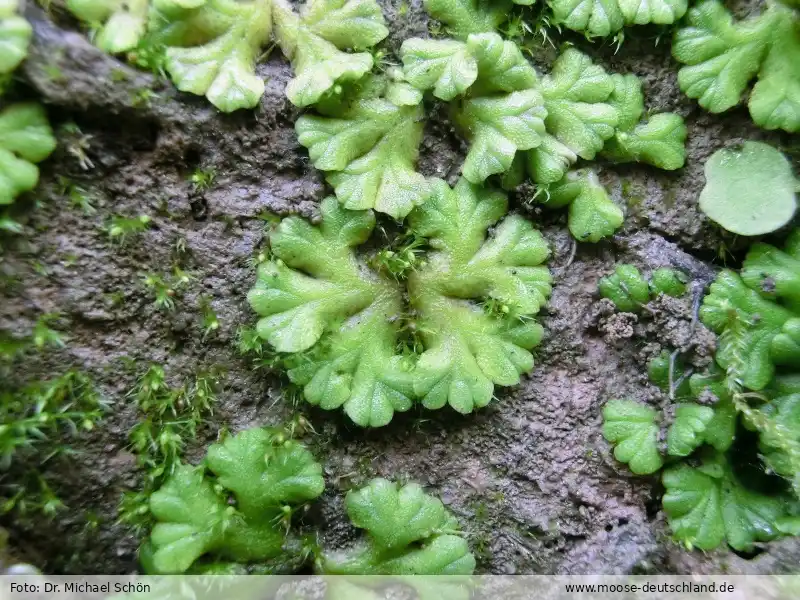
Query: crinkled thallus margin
x,y
211,47
340,328
25,134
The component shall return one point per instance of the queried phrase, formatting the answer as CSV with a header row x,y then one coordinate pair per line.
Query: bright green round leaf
x,y
15,35
749,191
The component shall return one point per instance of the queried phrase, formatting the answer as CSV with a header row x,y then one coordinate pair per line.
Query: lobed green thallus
x,y
15,36
601,19
367,129
408,533
757,316
765,301
343,328
25,139
25,134
265,473
594,19
368,145
723,55
368,140
459,320
629,291
592,215
212,46
517,122
233,514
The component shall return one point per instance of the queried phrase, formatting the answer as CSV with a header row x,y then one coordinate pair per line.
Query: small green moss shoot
x,y
44,335
202,179
253,347
53,73
78,197
121,229
400,261
210,321
143,98
530,29
150,56
171,418
162,291
165,288
39,420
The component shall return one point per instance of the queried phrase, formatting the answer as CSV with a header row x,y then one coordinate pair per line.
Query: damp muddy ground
x,y
530,477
